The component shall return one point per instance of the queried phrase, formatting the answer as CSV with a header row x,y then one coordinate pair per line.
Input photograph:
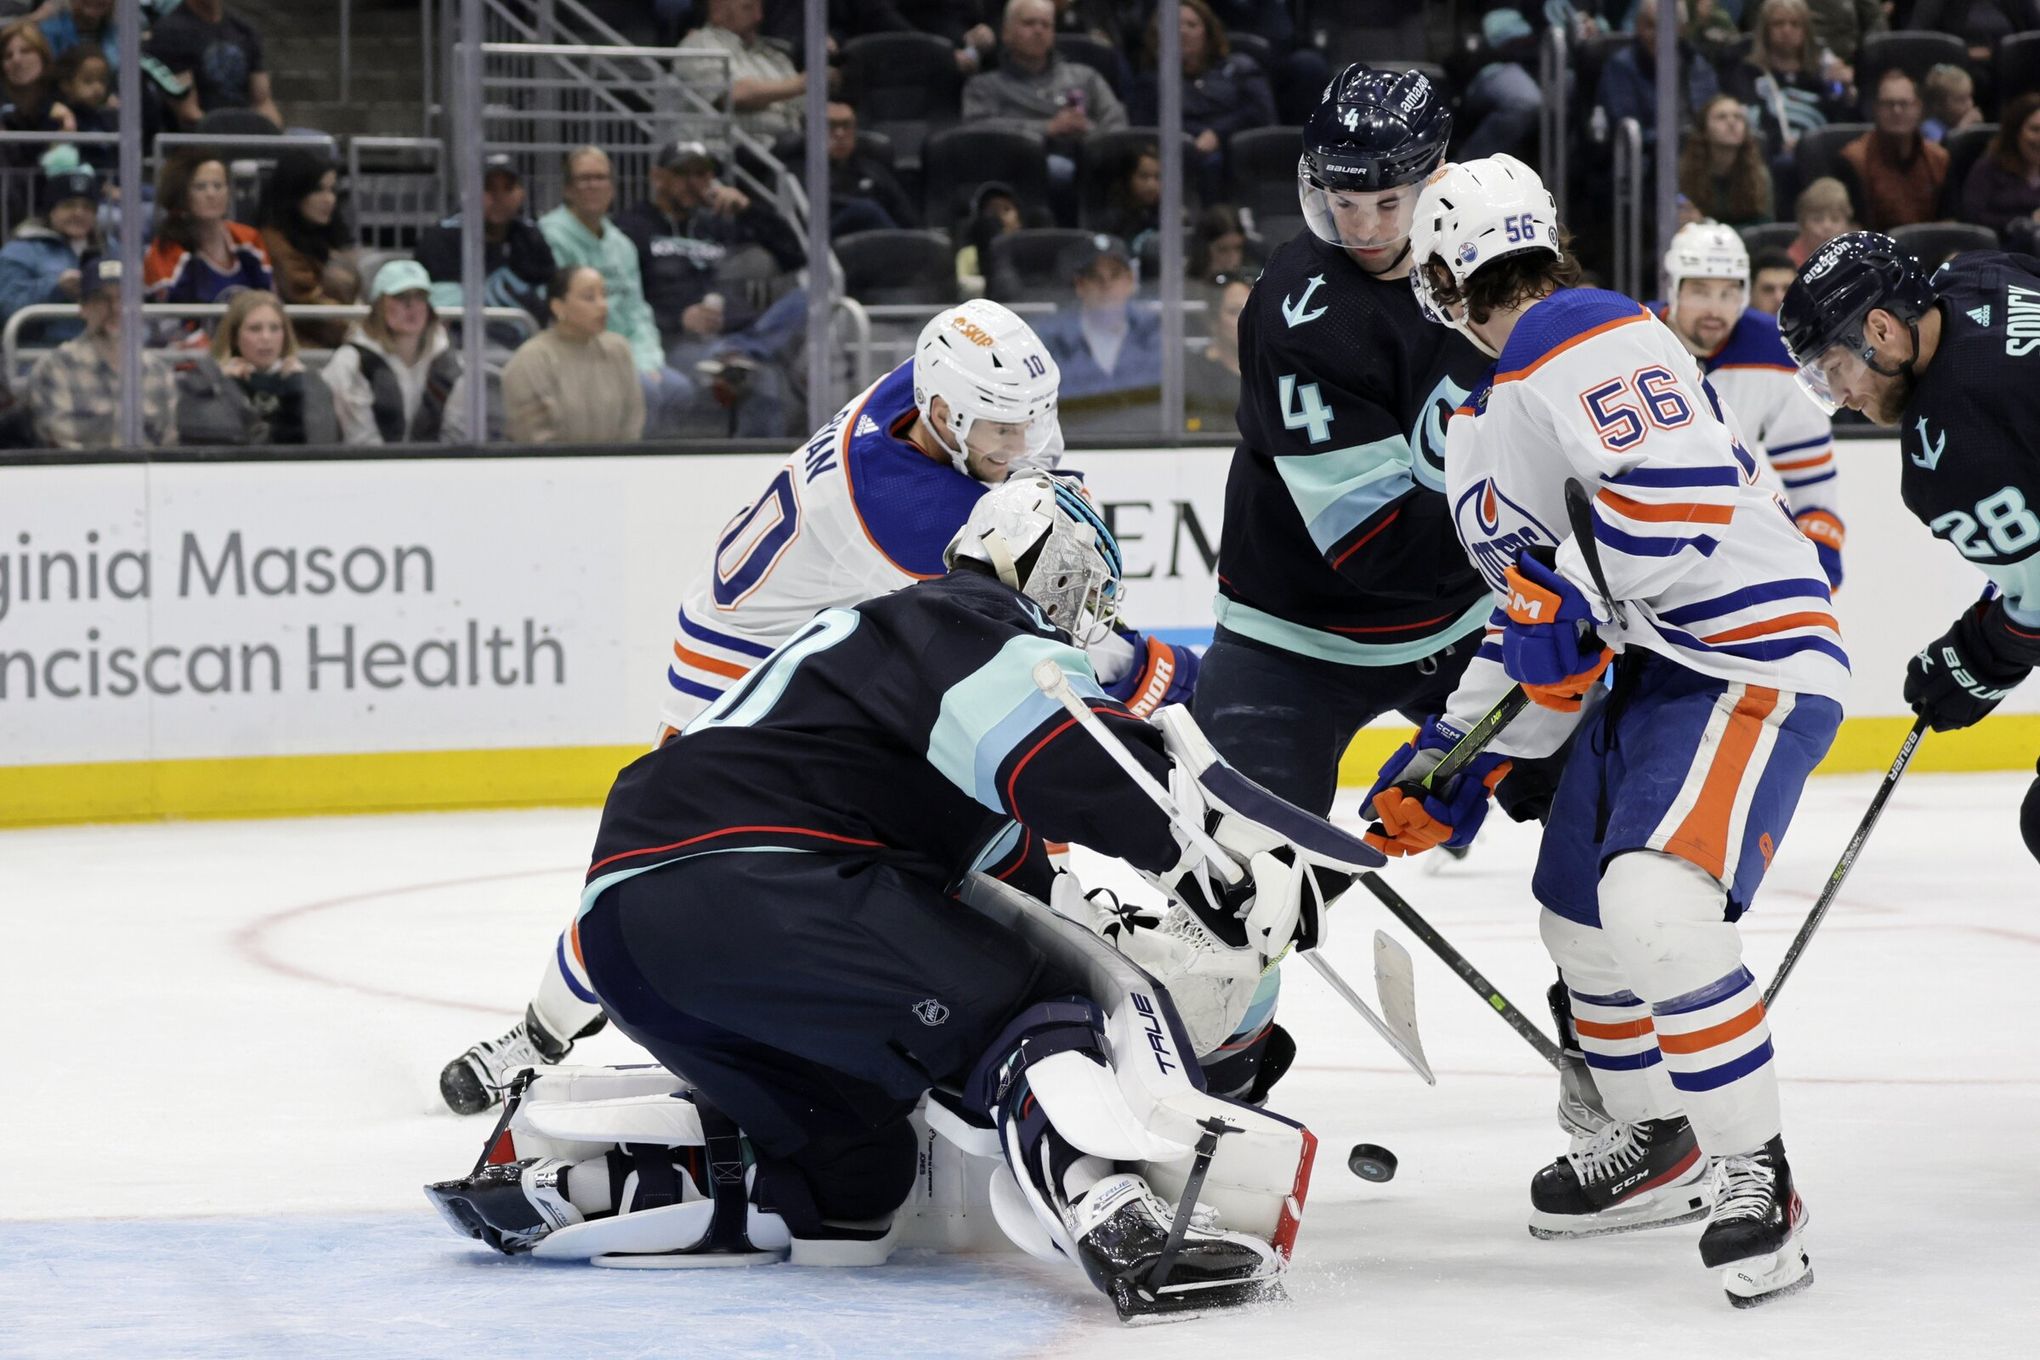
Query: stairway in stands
x,y
386,93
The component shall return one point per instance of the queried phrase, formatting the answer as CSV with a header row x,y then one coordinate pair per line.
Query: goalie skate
x,y
1644,1175
1755,1232
1123,1233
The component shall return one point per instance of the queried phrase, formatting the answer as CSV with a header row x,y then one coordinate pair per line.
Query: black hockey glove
x,y
1962,675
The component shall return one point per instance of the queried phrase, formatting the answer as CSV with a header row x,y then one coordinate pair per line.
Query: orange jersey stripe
x,y
1580,339
1595,1029
1702,837
713,665
1808,619
1684,512
1800,464
1701,1039
574,939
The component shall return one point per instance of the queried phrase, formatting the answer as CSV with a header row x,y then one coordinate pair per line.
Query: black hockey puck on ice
x,y
1371,1162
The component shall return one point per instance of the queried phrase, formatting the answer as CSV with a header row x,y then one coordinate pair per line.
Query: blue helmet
x,y
1842,283
1373,130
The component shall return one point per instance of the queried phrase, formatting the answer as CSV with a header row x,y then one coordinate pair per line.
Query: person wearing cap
x,y
74,390
517,263
1110,350
44,260
689,235
581,232
396,380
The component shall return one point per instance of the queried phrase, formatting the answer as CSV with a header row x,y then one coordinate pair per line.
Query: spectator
x,y
1771,273
864,195
1628,87
252,388
1109,350
393,381
1823,212
88,22
1218,243
1211,375
765,89
1300,72
84,85
580,232
1223,91
74,390
198,255
1899,174
1064,101
311,251
1502,98
1950,94
217,58
2002,191
1841,25
1781,78
28,80
1981,24
575,382
45,261
1721,167
1133,201
994,211
517,262
686,236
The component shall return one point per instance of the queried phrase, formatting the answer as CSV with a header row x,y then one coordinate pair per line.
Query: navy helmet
x,y
1821,318
1372,131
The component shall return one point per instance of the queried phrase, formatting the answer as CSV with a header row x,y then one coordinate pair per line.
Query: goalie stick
x,y
1051,681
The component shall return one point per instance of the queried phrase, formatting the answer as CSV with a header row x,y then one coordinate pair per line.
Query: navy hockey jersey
x,y
908,729
1337,542
1968,436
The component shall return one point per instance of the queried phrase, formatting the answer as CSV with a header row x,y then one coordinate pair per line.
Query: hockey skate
x,y
1643,1175
1127,1245
509,1205
475,1080
1754,1233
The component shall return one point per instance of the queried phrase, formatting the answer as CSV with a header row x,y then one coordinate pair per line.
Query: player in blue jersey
x,y
770,912
864,507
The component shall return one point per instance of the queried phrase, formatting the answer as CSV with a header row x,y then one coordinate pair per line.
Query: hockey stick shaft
x,y
1848,859
1050,680
1400,908
1579,515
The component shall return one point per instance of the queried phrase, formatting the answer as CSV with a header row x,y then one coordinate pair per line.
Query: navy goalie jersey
x,y
1971,470
908,729
1337,542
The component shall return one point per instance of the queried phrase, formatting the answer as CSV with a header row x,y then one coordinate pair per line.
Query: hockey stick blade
x,y
1395,981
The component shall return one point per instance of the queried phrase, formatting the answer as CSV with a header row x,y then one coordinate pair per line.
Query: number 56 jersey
x,y
854,513
1705,559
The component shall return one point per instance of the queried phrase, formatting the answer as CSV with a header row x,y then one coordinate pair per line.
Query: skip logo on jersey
x,y
1496,530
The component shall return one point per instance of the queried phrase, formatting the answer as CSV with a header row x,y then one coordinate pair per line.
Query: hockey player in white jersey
x,y
1674,798
864,507
1707,292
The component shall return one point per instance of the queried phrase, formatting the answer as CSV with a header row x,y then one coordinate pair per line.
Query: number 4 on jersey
x,y
1304,409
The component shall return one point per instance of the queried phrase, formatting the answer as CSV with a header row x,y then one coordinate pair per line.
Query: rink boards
x,y
250,638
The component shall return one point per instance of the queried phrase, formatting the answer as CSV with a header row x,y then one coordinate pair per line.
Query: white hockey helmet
x,y
1472,214
1705,250
987,364
1042,536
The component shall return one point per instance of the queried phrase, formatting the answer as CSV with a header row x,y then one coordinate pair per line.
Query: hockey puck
x,y
1371,1162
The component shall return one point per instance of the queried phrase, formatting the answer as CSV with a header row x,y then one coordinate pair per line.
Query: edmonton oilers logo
x,y
1495,529
1484,509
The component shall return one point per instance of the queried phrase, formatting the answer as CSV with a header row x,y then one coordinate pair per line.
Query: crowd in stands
x,y
1000,147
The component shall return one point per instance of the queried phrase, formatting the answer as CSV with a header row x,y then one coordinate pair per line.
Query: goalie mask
x,y
998,383
1040,535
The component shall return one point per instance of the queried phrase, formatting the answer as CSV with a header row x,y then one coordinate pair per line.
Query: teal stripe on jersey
x,y
988,713
1340,489
1002,845
2020,582
601,885
1248,621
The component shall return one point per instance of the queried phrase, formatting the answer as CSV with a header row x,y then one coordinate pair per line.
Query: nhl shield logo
x,y
930,1012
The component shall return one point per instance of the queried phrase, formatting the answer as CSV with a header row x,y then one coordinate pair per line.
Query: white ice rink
x,y
225,1039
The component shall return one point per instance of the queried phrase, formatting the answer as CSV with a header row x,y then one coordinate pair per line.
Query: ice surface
x,y
221,1106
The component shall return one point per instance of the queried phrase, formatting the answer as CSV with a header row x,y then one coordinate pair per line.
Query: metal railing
x,y
392,206
1553,79
1628,216
12,351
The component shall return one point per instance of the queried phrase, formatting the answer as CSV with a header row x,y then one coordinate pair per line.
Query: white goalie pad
x,y
1145,1107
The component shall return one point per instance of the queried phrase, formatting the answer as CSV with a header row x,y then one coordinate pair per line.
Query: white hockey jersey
x,y
1706,559
1755,377
854,513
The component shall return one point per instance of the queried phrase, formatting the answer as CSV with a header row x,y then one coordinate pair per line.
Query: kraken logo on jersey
x,y
1427,438
1929,455
1495,530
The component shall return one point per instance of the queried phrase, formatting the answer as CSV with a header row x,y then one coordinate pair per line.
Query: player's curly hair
x,y
1508,282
